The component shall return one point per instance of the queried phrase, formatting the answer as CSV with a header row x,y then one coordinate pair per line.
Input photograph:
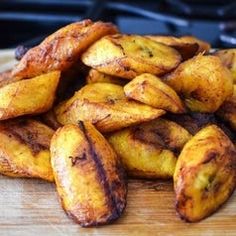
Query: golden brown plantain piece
x,y
228,58
186,49
127,56
89,177
32,96
205,175
203,82
24,149
95,76
149,89
61,49
227,111
104,105
150,150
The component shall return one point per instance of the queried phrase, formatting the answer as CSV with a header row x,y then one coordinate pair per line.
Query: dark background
x,y
27,22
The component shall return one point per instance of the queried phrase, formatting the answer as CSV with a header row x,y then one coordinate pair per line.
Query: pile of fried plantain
x,y
89,107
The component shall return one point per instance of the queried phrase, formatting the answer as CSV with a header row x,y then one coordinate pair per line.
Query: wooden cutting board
x,y
30,207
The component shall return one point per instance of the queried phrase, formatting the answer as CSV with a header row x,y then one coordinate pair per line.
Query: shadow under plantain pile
x,y
90,107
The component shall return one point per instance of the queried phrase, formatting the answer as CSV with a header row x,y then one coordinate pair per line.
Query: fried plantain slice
x,y
227,111
127,56
89,177
32,96
205,175
149,89
24,149
228,58
95,76
186,49
203,82
150,150
106,106
61,49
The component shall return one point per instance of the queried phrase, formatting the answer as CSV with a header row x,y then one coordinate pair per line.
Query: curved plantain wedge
x,y
150,150
227,111
95,76
127,56
228,58
62,49
205,175
104,105
24,149
203,82
149,89
89,177
186,49
31,96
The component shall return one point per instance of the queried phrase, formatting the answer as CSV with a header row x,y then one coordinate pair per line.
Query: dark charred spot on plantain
x,y
77,159
210,156
102,178
150,138
26,137
194,121
180,203
111,100
159,138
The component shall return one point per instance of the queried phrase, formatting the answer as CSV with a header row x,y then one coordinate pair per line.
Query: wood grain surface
x,y
30,207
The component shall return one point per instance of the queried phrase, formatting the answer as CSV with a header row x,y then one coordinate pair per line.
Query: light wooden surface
x,y
30,207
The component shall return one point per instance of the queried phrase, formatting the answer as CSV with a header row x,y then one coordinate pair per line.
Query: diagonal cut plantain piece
x,y
150,150
24,149
149,89
128,56
89,177
31,96
104,105
60,50
205,175
203,82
